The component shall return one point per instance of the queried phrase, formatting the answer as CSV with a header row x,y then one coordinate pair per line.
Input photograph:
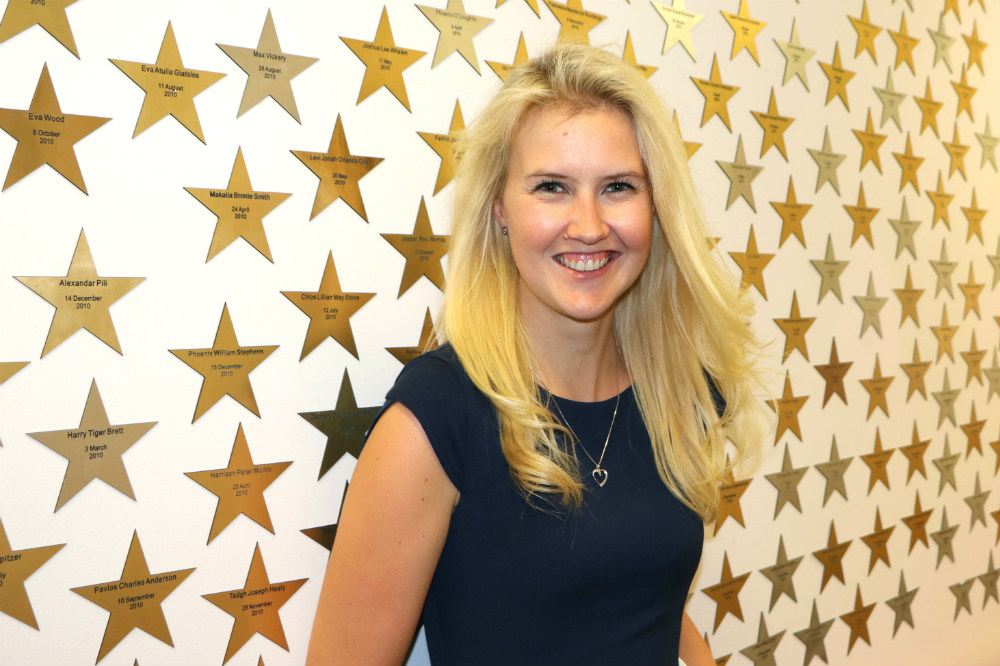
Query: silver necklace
x,y
599,474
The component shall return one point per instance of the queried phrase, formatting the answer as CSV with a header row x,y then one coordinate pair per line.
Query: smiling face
x,y
579,213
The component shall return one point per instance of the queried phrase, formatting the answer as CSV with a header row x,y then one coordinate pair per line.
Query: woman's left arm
x,y
693,648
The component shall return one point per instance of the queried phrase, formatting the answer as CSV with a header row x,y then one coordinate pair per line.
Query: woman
x,y
536,488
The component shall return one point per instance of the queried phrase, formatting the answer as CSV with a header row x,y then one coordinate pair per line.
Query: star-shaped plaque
x,y
329,310
837,78
976,47
795,327
814,637
717,94
752,264
989,581
628,55
961,592
240,487
945,399
946,467
878,463
878,542
900,605
730,493
780,574
503,69
94,449
941,200
928,109
679,22
690,147
956,156
973,431
917,522
988,144
82,299
325,535
833,374
46,135
50,15
427,340
827,161
832,558
945,335
964,92
239,210
908,164
16,566
942,44
870,142
225,367
575,23
904,44
857,620
862,216
952,6
135,600
877,387
792,213
170,87
908,297
384,62
269,70
761,653
255,606
745,31
345,426
726,592
977,504
786,482
914,453
993,377
971,291
833,471
974,216
871,305
741,175
796,57
891,101
915,373
788,407
423,252
867,32
457,28
906,230
339,172
829,270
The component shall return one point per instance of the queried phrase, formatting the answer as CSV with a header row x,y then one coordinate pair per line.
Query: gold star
x,y
964,92
16,566
961,592
147,616
796,57
832,558
908,163
10,368
857,620
46,135
993,378
904,44
427,341
943,269
774,126
745,31
239,487
878,543
928,109
833,471
945,335
169,87
345,426
952,6
575,23
726,592
269,70
94,449
862,217
988,144
780,574
786,482
730,493
877,386
971,291
384,62
829,270
444,146
942,44
878,460
51,16
423,252
716,94
788,407
976,48
629,56
989,581
867,32
870,142
946,463
457,29
945,399
325,535
761,653
871,305
260,617
679,24
956,155
916,371
837,78
795,327
827,161
752,264
833,373
974,216
239,210
225,367
908,297
741,175
329,310
502,69
891,100
82,299
339,172
814,636
943,538
792,213
914,453
973,431
941,200
918,524
906,230
690,147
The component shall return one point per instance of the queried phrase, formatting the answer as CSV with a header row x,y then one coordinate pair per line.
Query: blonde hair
x,y
684,320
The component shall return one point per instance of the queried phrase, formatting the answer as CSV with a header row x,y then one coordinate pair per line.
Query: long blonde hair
x,y
684,320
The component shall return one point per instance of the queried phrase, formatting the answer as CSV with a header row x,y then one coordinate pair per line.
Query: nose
x,y
587,222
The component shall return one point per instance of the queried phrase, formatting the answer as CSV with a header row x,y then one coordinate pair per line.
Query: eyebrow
x,y
557,175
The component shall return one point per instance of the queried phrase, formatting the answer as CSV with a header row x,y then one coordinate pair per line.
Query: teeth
x,y
584,266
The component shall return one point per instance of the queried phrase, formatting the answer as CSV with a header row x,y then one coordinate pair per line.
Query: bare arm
x,y
389,538
693,648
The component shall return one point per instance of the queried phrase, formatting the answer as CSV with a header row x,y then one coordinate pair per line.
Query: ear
x,y
499,213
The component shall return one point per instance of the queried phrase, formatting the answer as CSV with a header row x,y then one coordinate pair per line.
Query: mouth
x,y
584,263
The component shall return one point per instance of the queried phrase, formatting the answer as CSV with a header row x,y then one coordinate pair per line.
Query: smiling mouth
x,y
585,263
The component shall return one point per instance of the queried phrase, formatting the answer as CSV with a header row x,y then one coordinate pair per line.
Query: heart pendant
x,y
600,476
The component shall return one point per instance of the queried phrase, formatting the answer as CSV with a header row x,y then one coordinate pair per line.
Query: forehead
x,y
588,133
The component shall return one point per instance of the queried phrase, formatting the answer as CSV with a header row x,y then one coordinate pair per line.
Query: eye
x,y
620,186
549,187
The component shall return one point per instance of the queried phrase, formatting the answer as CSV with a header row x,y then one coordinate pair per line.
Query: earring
x,y
503,230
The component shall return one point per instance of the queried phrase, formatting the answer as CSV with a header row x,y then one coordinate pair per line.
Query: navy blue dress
x,y
516,585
